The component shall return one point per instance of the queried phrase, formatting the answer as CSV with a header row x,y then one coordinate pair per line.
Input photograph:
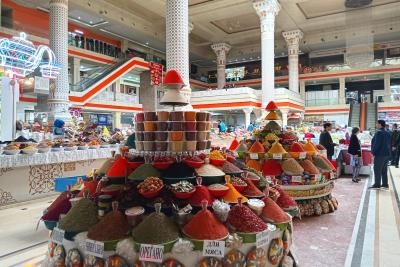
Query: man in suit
x,y
381,149
395,141
325,139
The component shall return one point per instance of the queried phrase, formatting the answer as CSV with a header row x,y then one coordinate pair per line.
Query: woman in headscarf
x,y
58,128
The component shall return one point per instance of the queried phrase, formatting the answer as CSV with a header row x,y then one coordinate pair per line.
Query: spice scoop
x,y
183,215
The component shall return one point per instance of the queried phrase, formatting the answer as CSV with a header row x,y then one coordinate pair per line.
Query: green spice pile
x,y
144,171
113,226
155,229
80,217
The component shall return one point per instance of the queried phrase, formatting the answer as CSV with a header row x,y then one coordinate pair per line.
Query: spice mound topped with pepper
x,y
309,147
229,168
272,167
292,167
273,213
251,190
254,164
277,148
80,217
272,116
244,220
233,195
205,226
296,147
113,226
156,229
178,170
216,154
309,167
60,206
144,171
201,194
284,200
257,147
242,147
322,163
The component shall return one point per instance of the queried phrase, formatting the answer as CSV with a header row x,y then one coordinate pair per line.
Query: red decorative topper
x,y
173,78
156,70
271,106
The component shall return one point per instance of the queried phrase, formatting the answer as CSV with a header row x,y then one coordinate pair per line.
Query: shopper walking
x,y
381,150
325,139
395,143
355,154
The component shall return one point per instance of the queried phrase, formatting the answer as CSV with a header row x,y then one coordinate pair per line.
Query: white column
x,y
177,28
342,90
267,10
221,50
247,114
117,119
292,39
58,97
284,113
76,70
303,90
387,90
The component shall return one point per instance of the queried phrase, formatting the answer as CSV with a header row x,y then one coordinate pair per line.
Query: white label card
x,y
277,156
235,154
213,248
318,176
253,156
262,239
333,175
151,253
297,179
302,155
95,248
57,235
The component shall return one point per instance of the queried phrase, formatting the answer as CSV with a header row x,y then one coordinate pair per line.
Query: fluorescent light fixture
x,y
88,24
78,31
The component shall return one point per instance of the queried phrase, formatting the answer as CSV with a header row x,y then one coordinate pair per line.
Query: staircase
x,y
371,116
355,115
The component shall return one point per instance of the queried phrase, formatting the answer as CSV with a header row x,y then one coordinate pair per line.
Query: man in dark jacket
x,y
395,142
381,149
325,139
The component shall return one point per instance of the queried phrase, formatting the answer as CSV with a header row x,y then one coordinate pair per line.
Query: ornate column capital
x,y
221,48
266,8
293,38
59,2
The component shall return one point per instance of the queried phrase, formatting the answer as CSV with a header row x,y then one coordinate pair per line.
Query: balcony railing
x,y
107,97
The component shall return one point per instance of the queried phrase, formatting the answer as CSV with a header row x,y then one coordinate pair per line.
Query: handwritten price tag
x,y
57,235
151,253
213,248
302,155
333,175
297,179
262,239
94,248
277,156
253,156
318,177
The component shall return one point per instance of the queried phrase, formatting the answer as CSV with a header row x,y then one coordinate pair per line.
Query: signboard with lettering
x,y
213,248
57,235
151,253
262,239
95,248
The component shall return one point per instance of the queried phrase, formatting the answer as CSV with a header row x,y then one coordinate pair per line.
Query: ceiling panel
x,y
198,2
238,24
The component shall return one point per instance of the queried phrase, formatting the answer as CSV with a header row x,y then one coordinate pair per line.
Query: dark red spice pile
x,y
60,206
272,167
244,220
113,226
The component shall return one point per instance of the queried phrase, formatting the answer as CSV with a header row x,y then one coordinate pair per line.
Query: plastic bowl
x,y
193,164
151,194
162,165
217,162
184,195
239,188
218,193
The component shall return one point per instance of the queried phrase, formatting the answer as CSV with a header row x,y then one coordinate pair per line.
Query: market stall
x,y
175,201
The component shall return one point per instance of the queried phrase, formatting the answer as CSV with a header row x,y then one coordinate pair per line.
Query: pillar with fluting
x,y
292,39
177,28
76,70
221,50
285,114
267,10
247,117
58,97
342,90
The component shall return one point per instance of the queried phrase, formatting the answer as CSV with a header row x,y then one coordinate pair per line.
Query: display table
x,y
26,177
343,161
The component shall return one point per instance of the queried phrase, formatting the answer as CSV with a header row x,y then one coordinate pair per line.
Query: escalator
x,y
371,116
355,115
102,78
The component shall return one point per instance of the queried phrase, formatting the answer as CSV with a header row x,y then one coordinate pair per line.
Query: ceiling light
x,y
147,43
78,31
79,17
91,22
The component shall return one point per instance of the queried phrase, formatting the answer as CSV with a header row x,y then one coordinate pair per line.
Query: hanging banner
x,y
156,71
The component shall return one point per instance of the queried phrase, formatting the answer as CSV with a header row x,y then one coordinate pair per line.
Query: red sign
x,y
156,71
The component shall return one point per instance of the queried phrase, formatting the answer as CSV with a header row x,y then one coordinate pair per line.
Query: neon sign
x,y
22,57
